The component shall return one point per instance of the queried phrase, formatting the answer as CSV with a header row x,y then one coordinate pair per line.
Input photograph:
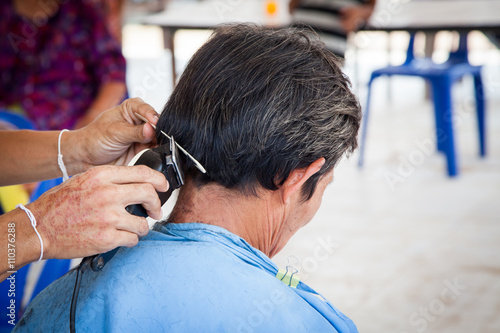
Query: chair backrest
x,y
11,295
16,121
460,55
44,186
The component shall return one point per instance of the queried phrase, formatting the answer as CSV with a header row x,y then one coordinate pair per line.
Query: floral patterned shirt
x,y
52,68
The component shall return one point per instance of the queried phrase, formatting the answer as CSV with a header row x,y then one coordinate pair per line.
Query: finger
x,y
148,112
142,194
125,238
133,224
131,132
135,174
137,105
148,133
133,129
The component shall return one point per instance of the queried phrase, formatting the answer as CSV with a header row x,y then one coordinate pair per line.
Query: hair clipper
x,y
164,159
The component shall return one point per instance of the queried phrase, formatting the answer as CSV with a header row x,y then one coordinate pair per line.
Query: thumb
x,y
143,133
148,133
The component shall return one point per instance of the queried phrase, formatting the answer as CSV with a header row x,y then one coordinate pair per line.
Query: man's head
x,y
254,104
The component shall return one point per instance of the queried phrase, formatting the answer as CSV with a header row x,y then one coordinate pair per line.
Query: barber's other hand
x,y
86,215
112,138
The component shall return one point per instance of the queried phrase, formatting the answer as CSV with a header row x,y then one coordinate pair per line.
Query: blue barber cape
x,y
188,277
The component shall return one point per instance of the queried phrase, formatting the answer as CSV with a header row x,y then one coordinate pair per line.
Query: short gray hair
x,y
255,103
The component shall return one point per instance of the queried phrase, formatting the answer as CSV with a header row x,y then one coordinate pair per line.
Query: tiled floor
x,y
397,246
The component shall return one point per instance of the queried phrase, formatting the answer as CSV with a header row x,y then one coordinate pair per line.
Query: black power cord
x,y
164,159
76,291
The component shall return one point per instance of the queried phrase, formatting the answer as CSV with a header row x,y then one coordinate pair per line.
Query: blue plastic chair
x,y
16,120
53,269
441,78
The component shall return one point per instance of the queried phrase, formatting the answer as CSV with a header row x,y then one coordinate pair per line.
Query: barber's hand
x,y
86,215
114,137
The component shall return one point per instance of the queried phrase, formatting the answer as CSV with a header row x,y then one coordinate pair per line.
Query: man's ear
x,y
298,177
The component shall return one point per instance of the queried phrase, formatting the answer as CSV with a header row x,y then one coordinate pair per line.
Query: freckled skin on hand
x,y
68,199
82,202
86,215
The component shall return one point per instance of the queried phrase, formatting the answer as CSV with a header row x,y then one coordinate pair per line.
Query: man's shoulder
x,y
175,285
158,253
172,263
188,285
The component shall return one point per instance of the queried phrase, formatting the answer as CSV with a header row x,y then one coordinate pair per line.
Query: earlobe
x,y
298,177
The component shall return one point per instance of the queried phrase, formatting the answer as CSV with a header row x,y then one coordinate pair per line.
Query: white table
x,y
437,15
211,13
417,15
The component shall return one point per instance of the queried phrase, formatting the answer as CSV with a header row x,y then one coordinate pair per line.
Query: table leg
x,y
389,63
168,42
430,38
355,81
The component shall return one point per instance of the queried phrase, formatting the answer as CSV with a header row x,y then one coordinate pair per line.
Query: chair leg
x,y
441,90
438,120
366,113
478,85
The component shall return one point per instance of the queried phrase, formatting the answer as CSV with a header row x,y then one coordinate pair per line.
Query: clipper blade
x,y
195,161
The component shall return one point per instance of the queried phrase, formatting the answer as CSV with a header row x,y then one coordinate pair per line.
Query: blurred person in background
x,y
60,64
113,10
332,19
